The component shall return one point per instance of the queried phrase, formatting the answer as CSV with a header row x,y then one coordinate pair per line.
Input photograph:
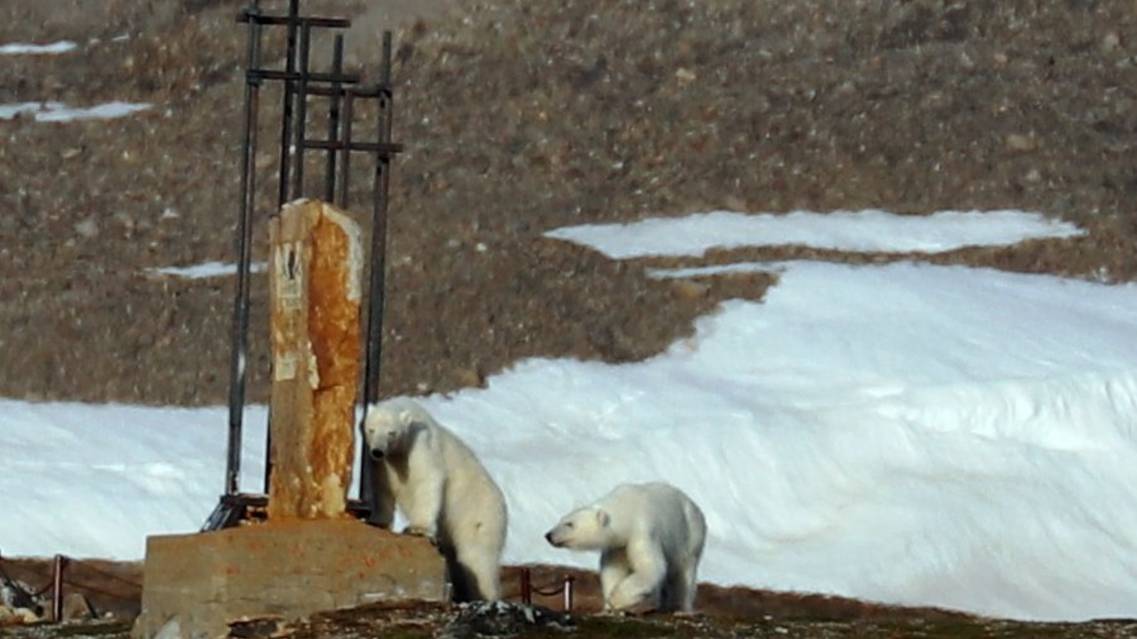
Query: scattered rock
x,y
17,616
502,618
1111,42
690,289
468,378
16,595
76,607
172,629
88,228
258,628
1020,142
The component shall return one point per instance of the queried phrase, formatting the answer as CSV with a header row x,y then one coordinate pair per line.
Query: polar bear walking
x,y
650,537
443,491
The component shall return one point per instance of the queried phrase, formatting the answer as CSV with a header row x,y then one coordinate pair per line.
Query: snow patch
x,y
21,48
59,112
859,231
206,270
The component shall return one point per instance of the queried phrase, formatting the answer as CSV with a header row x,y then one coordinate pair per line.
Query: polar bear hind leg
x,y
681,586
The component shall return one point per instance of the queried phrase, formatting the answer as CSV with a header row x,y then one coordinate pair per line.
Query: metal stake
x,y
334,121
301,112
374,341
568,592
237,357
286,117
526,587
345,151
57,566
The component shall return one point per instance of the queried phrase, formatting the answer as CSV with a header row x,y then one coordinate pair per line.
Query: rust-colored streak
x,y
316,356
334,329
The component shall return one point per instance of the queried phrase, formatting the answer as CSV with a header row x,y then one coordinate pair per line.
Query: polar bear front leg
x,y
424,508
649,567
614,569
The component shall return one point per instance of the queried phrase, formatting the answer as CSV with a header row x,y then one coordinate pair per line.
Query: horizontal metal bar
x,y
359,92
333,23
371,147
273,74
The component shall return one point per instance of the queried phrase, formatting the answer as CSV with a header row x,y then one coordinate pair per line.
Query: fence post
x,y
57,566
526,587
568,592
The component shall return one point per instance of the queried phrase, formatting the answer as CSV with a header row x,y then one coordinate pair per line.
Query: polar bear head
x,y
391,426
588,528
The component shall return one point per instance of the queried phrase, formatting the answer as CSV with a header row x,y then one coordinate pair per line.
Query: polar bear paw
x,y
422,531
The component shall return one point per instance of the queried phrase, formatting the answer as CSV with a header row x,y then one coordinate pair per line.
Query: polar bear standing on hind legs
x,y
650,537
443,491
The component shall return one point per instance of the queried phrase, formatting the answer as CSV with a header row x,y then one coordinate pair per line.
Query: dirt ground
x,y
519,117
723,612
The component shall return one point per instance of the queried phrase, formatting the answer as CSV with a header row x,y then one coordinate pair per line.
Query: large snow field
x,y
905,433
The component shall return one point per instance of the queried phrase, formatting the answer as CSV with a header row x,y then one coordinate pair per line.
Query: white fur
x,y
443,491
650,537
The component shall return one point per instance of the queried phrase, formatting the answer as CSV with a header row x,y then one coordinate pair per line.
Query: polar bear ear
x,y
602,517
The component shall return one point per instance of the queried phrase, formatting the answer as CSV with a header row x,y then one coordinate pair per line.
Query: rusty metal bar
x,y
345,152
239,351
334,23
378,238
57,566
371,147
526,587
301,112
359,91
286,117
285,151
374,340
333,121
274,74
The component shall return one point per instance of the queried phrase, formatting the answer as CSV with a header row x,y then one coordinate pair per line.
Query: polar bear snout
x,y
555,540
377,454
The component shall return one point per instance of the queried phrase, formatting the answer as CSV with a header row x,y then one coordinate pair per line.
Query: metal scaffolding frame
x,y
341,90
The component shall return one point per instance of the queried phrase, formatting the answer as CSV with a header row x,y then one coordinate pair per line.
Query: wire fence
x,y
60,578
564,588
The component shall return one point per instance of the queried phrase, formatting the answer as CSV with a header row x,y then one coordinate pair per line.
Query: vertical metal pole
x,y
334,121
374,341
285,156
526,587
379,232
345,150
568,593
301,112
239,348
286,118
57,566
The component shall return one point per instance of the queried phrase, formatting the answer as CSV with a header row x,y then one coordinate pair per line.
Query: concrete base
x,y
194,585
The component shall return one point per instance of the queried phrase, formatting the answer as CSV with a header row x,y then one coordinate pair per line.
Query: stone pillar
x,y
314,291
